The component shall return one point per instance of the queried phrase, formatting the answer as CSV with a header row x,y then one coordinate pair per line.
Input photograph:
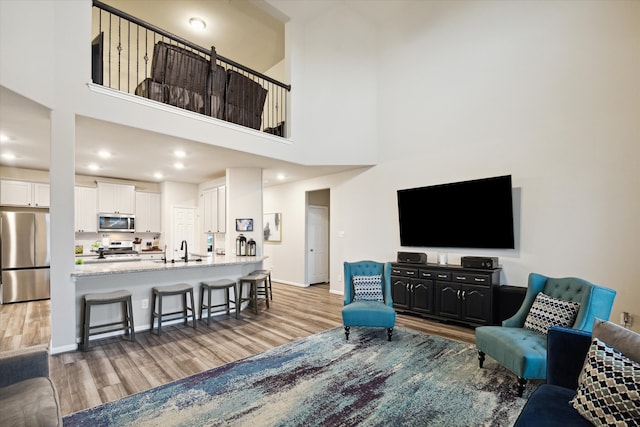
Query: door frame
x,y
309,244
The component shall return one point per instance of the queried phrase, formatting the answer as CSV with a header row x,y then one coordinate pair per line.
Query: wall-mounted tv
x,y
467,214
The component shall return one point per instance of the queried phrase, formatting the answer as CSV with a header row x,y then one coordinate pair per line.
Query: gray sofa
x,y
27,395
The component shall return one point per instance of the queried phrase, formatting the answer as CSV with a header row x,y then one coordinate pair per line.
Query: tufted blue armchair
x,y
368,313
524,352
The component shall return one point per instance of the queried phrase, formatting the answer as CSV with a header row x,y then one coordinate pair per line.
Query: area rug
x,y
324,380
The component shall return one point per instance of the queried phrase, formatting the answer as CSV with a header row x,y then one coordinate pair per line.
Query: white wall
x,y
331,65
545,91
244,197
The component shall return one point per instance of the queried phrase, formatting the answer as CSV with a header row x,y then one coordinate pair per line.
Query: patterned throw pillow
x,y
368,288
609,393
547,311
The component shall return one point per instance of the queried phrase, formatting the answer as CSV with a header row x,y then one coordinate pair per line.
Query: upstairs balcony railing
x,y
136,57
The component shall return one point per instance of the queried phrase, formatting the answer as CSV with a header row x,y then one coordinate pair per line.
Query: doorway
x,y
317,237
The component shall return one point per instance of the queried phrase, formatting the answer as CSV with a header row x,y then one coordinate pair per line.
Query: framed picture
x,y
244,224
272,223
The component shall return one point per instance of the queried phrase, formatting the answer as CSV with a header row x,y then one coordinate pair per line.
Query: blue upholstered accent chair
x,y
524,352
368,313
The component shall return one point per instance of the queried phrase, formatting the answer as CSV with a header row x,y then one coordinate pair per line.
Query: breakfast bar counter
x,y
127,267
139,277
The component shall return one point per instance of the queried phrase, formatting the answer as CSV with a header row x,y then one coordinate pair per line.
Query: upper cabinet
x,y
24,193
214,210
116,198
147,212
86,214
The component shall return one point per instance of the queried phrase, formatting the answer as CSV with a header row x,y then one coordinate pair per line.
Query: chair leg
x,y
193,309
208,307
153,310
266,293
185,313
227,297
159,314
132,334
521,385
346,331
202,289
254,297
480,358
389,332
85,326
124,306
236,300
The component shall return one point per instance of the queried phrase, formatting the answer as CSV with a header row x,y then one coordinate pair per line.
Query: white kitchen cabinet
x,y
147,212
86,213
24,193
116,198
214,210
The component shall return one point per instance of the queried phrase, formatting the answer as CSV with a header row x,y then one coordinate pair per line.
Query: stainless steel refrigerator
x,y
24,256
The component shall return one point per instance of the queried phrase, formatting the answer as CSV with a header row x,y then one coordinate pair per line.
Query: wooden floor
x,y
114,367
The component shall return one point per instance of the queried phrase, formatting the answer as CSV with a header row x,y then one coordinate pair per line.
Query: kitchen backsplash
x,y
88,239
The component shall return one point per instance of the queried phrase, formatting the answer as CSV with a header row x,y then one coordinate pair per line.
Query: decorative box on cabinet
x,y
454,293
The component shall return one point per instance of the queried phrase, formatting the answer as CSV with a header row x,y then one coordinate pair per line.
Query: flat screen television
x,y
467,214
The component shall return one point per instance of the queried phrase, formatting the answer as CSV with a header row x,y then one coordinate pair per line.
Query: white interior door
x,y
184,228
317,244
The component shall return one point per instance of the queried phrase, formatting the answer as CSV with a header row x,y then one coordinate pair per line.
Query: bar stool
x,y
268,273
170,290
123,297
252,280
209,286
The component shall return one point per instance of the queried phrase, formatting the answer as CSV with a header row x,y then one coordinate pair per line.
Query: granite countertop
x,y
102,268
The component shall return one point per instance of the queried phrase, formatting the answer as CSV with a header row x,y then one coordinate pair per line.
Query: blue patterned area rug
x,y
323,380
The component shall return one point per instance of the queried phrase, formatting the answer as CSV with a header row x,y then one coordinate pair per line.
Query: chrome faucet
x,y
183,245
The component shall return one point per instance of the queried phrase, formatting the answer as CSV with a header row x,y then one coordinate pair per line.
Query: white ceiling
x,y
239,29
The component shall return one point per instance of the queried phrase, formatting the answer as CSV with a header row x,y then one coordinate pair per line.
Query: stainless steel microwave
x,y
116,223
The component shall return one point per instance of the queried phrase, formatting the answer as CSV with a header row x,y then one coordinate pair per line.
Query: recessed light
x,y
197,23
9,156
179,153
93,167
104,154
281,176
158,175
4,138
178,165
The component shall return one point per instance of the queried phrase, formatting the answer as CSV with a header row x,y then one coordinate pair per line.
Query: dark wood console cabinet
x,y
445,292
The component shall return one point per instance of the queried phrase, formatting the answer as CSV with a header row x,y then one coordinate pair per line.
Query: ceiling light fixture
x,y
9,156
178,165
93,167
157,175
197,23
179,153
104,154
281,176
4,138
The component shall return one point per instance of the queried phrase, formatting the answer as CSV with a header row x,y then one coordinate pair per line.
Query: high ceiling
x,y
239,29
